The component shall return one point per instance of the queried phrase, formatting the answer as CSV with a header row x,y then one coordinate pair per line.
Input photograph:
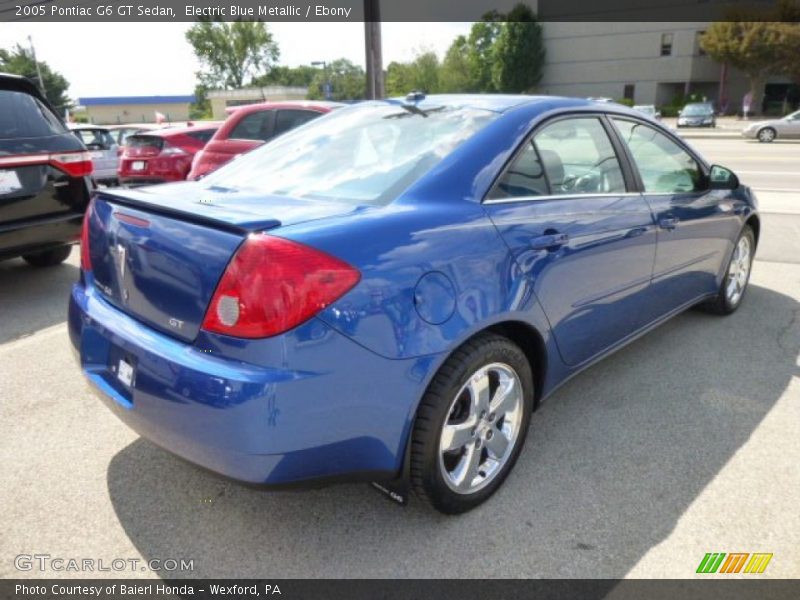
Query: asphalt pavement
x,y
683,443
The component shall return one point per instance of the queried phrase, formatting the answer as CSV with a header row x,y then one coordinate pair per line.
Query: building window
x,y
666,44
700,51
629,91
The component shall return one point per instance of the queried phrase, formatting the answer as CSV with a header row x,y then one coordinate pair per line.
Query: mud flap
x,y
398,490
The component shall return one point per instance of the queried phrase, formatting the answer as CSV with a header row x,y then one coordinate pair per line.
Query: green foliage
x,y
301,76
19,61
349,81
422,74
625,102
454,73
201,107
231,53
480,51
518,53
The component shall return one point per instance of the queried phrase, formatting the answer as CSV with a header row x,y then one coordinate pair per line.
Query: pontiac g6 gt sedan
x,y
386,293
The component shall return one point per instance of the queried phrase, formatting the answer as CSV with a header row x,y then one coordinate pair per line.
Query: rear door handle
x,y
551,241
668,222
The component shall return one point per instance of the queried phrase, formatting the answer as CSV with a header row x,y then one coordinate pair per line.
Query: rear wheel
x,y
48,258
471,424
734,284
766,135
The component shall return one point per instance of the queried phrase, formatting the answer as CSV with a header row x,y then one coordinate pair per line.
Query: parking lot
x,y
683,443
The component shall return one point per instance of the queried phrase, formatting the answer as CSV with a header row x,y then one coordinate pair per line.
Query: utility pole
x,y
372,39
38,70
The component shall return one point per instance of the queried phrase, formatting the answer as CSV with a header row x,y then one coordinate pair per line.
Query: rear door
x,y
696,225
582,236
33,141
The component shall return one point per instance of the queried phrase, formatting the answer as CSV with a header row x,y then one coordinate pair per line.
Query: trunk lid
x,y
158,252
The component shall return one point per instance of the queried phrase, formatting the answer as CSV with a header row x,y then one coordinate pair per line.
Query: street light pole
x,y
38,70
372,40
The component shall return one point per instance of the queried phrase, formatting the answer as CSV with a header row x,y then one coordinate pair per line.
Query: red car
x,y
250,126
162,155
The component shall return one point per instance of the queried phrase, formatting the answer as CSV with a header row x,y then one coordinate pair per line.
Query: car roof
x,y
79,126
499,103
18,83
168,131
321,105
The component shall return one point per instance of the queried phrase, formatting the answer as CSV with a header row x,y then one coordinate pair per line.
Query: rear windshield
x,y
95,138
366,154
144,141
24,116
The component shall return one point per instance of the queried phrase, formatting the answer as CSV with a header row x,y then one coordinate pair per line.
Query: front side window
x,y
368,153
578,157
664,166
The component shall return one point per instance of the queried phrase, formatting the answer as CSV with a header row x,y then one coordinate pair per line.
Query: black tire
x,y
721,304
766,135
427,477
48,258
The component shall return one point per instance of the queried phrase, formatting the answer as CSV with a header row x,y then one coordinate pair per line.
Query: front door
x,y
584,241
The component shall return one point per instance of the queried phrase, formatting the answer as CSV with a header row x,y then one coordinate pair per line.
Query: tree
x,y
201,107
347,80
232,53
480,51
301,76
19,61
399,79
454,74
518,52
758,48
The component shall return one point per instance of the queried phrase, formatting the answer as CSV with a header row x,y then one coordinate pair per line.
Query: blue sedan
x,y
387,293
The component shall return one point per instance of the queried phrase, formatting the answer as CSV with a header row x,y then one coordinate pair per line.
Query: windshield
x,y
694,110
648,110
368,153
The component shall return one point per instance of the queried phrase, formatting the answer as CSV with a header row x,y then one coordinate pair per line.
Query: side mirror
x,y
721,178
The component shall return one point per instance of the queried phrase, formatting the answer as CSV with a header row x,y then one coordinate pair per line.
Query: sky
x,y
148,59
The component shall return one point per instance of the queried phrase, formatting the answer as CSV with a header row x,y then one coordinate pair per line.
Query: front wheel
x,y
471,424
48,258
737,276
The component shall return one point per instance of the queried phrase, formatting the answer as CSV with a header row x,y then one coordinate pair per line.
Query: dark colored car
x,y
697,114
388,293
163,155
45,178
250,126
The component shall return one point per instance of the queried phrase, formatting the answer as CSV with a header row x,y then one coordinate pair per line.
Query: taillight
x,y
168,150
272,285
76,164
86,257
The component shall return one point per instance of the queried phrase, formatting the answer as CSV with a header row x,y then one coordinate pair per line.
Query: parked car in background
x,y
250,126
163,155
103,149
45,178
123,132
697,114
649,110
387,293
787,127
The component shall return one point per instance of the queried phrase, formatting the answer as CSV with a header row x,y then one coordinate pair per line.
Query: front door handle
x,y
668,222
549,242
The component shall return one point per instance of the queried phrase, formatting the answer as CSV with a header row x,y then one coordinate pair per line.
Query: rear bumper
x,y
39,234
304,406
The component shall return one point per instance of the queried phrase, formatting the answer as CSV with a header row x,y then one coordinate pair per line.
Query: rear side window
x,y
202,136
289,119
95,138
24,116
578,157
524,177
664,166
256,126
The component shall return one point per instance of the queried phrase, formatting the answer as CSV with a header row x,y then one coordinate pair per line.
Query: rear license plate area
x,y
122,371
138,165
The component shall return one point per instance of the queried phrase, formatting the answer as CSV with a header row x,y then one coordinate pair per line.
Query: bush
x,y
625,102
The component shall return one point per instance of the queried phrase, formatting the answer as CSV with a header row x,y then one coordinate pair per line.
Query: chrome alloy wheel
x,y
482,427
738,271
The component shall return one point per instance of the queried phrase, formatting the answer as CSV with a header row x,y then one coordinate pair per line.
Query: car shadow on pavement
x,y
611,463
33,298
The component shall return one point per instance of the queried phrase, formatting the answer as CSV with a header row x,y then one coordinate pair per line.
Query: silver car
x,y
766,131
103,149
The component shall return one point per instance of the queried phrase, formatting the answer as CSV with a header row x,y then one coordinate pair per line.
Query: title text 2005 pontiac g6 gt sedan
x,y
387,292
